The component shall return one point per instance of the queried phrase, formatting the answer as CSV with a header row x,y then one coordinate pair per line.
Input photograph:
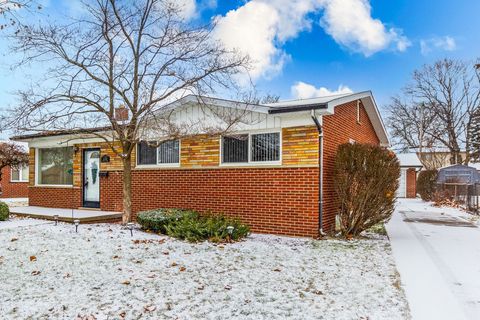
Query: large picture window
x,y
167,153
55,166
19,174
256,148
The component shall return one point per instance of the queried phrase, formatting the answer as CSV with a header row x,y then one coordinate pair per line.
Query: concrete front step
x,y
67,215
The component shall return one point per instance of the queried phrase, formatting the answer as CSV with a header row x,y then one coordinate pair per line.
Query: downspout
x,y
320,173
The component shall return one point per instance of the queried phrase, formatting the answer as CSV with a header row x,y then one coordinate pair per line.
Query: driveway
x,y
437,251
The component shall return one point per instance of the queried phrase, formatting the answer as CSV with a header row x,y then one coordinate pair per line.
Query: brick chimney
x,y
121,113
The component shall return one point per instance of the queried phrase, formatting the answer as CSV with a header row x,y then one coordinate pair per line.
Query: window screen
x,y
265,147
235,149
168,152
146,154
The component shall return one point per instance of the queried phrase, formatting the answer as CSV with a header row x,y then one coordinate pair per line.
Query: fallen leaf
x,y
166,253
149,308
277,270
115,257
13,239
227,287
182,269
35,273
33,258
122,314
126,282
174,264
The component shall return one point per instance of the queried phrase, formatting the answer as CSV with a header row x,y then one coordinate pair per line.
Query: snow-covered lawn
x,y
49,272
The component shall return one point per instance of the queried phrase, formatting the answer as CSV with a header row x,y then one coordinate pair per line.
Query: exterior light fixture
x,y
76,222
55,217
230,233
130,227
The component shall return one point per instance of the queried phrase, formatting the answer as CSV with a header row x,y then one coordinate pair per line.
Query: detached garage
x,y
409,166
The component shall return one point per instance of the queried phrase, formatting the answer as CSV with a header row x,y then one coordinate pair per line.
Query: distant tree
x,y
269,98
475,136
436,109
12,155
475,127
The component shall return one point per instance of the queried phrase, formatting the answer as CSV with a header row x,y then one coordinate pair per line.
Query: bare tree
x,y
9,11
12,155
436,109
140,55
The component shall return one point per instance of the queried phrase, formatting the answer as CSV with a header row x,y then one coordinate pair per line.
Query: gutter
x,y
320,170
297,108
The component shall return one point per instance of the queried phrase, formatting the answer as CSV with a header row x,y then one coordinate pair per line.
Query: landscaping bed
x,y
50,272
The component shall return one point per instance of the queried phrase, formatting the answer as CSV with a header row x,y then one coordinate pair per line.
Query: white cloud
x,y
351,24
260,28
188,8
302,90
252,29
446,43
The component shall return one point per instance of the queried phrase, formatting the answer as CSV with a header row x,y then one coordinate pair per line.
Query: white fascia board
x,y
64,141
193,99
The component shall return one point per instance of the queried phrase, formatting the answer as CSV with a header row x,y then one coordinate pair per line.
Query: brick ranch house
x,y
276,174
14,183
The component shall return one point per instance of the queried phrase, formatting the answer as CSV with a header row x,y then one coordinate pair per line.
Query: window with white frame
x,y
19,174
166,153
251,148
55,166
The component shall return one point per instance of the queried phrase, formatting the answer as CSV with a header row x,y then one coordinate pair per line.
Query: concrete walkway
x,y
437,251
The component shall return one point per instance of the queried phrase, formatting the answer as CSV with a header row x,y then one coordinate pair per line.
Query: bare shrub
x,y
366,178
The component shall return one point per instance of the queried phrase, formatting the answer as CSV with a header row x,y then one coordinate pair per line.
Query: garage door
x,y
402,185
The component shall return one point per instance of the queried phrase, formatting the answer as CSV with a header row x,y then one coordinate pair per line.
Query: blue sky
x,y
358,44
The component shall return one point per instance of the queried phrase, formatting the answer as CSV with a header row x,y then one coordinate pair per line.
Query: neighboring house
x,y
14,182
437,159
409,166
267,174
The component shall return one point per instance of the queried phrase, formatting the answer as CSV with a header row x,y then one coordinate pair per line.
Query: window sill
x,y
54,185
18,181
251,164
157,166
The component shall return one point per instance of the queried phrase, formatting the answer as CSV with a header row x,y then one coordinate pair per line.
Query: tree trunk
x,y
127,190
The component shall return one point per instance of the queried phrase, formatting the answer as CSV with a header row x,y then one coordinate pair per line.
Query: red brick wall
x,y
54,197
12,189
338,129
269,200
411,183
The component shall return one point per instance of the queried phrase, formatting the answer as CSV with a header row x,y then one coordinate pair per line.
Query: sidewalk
x,y
437,253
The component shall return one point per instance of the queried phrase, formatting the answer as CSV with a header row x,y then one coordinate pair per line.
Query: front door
x,y
91,178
